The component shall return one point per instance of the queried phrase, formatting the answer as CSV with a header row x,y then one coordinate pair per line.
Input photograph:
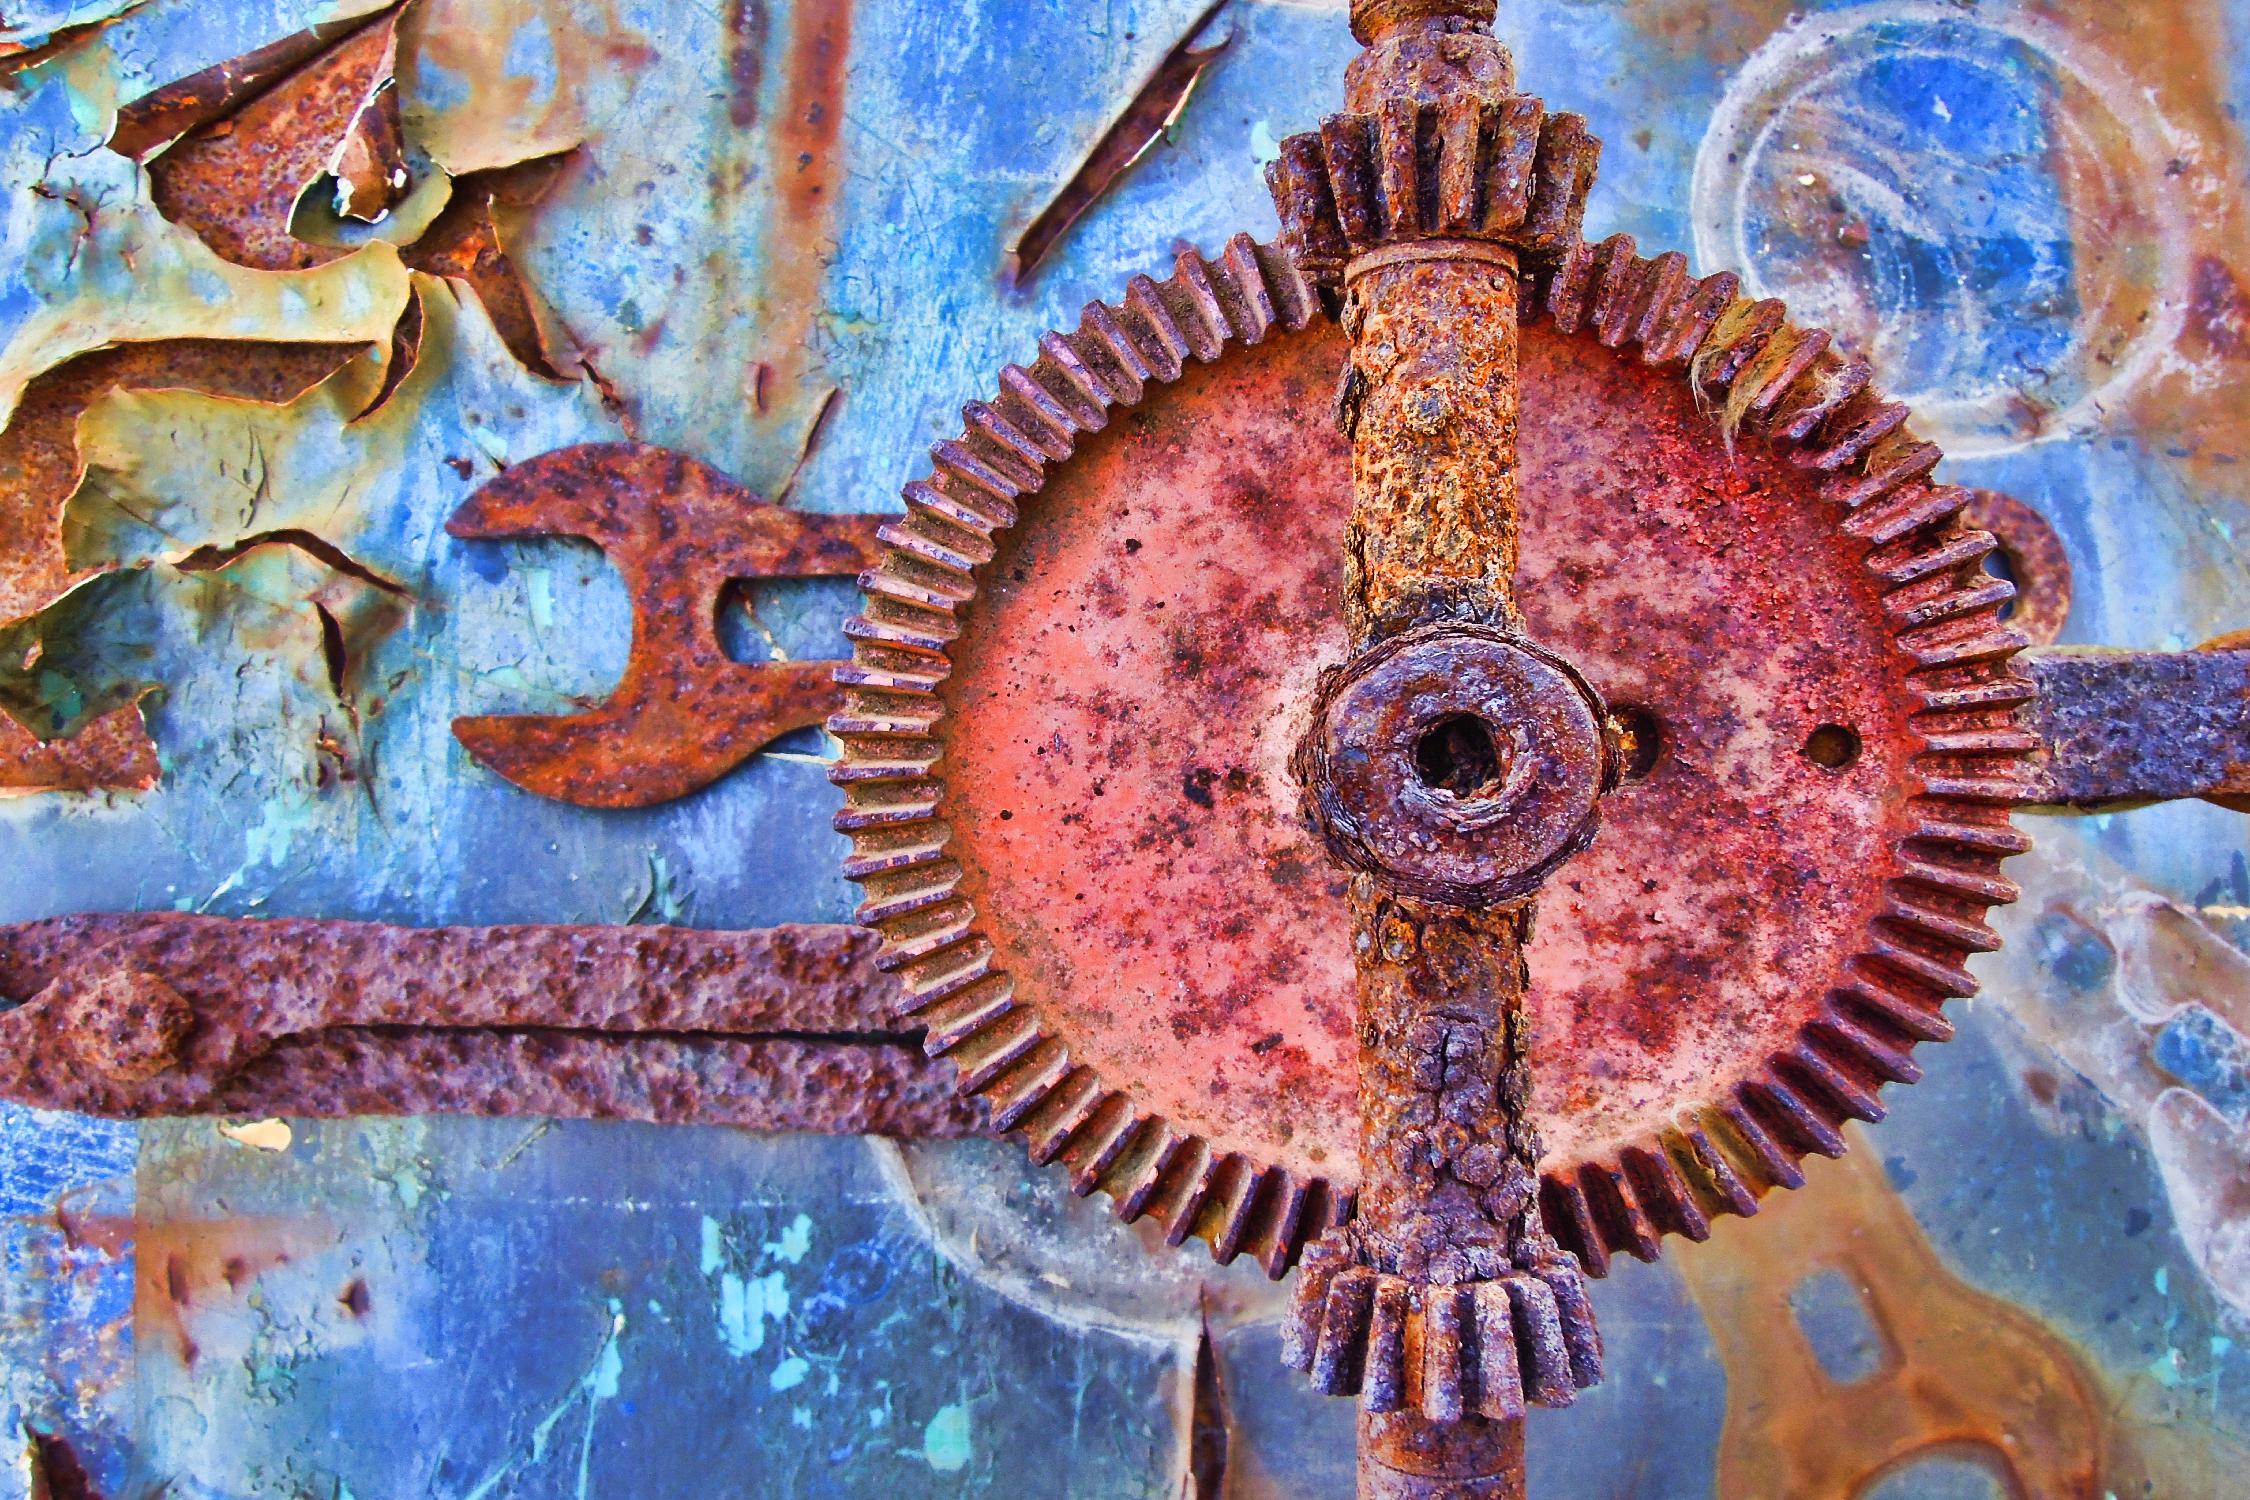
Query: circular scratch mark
x,y
1980,204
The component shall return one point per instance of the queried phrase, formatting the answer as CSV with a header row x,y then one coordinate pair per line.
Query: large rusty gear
x,y
1851,735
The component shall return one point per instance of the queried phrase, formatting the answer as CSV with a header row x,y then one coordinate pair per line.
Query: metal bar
x,y
162,1013
2122,727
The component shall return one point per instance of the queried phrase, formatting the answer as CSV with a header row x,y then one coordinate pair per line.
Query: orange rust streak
x,y
807,169
187,1267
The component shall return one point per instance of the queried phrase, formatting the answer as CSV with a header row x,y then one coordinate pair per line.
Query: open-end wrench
x,y
679,531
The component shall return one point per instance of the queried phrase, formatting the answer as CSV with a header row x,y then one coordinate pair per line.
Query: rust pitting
x,y
142,1014
235,176
679,532
1604,325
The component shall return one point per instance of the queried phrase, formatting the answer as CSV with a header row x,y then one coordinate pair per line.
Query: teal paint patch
x,y
946,1444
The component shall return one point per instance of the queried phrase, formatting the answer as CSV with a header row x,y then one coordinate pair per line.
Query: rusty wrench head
x,y
685,713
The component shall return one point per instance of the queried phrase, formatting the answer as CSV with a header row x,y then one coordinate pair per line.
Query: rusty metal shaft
x,y
1452,765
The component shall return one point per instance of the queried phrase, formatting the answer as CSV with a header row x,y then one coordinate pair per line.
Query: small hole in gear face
x,y
1458,754
1644,740
1832,747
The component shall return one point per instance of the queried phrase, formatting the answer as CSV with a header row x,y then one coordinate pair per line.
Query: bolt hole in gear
x,y
1244,935
1640,740
1832,747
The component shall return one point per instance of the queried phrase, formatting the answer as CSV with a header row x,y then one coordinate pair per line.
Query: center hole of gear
x,y
1458,754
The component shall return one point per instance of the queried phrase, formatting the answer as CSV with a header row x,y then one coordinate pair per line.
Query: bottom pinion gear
x,y
1484,1347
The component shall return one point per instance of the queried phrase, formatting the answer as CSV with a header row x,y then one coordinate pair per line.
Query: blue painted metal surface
x,y
2027,209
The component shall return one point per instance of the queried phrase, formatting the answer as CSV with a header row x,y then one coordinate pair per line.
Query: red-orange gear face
x,y
1773,912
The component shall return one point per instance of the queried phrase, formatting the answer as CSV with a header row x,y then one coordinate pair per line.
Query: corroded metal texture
x,y
1429,403
1455,766
160,1013
40,465
680,532
1445,1297
1804,625
2120,727
1459,763
2034,560
238,178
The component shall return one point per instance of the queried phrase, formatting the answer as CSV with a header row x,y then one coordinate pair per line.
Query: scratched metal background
x,y
2059,1214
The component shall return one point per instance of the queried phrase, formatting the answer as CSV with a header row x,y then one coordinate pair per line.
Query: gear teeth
x,y
1446,1375
1777,1166
1864,1049
1821,1080
1901,512
893,805
1787,385
1140,1171
1792,1116
1510,162
1324,1260
1617,1214
1460,164
1895,1001
1707,1167
1398,167
1024,1087
1501,171
1568,286
1896,464
1382,1380
1664,1191
1444,1350
1663,290
1736,338
1570,1219
1784,361
1234,1190
1562,175
1339,1359
1616,284
1098,1143
1164,349
1852,432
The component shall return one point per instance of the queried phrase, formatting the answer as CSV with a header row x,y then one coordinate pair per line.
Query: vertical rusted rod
x,y
1430,404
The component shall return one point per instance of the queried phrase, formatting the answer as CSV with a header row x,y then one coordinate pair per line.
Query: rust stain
x,y
1155,105
235,181
1962,1370
679,532
40,467
806,168
1723,34
57,1473
185,1269
748,28
1961,1373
